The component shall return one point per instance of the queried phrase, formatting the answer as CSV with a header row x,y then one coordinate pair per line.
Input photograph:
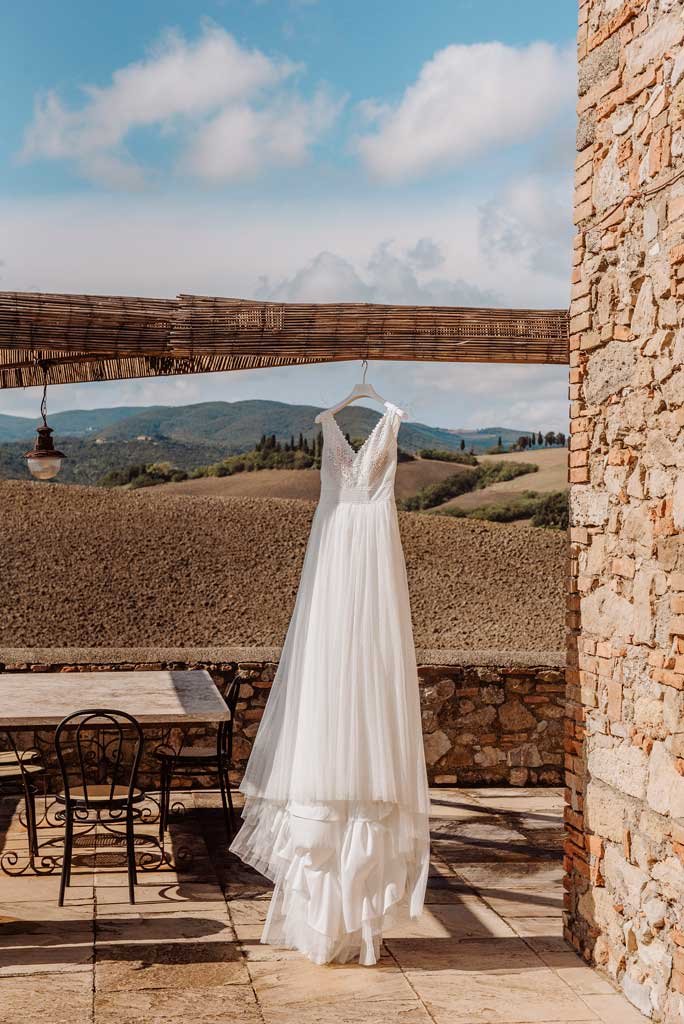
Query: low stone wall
x,y
487,720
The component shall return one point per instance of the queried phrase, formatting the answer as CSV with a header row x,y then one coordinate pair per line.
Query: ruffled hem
x,y
343,872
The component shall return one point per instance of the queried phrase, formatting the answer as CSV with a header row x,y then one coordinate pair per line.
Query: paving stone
x,y
29,932
502,996
613,1009
454,809
50,998
217,1005
174,965
447,954
138,927
41,959
541,933
468,919
303,992
44,889
181,953
575,973
171,898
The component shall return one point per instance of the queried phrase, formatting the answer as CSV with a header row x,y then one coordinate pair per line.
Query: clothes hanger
x,y
364,389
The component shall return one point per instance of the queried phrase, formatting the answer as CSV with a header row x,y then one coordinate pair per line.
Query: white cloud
x,y
233,111
466,100
387,277
531,223
240,139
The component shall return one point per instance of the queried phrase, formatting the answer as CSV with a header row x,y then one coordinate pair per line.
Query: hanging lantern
x,y
44,461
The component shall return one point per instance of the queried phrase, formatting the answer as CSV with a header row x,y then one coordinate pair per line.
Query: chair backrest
x,y
21,757
225,731
99,747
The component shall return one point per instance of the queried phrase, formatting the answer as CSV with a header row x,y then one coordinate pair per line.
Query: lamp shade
x,y
44,461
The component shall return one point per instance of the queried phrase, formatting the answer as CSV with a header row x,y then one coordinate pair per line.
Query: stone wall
x,y
483,723
625,732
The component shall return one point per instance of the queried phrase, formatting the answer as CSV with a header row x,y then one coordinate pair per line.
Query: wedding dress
x,y
336,797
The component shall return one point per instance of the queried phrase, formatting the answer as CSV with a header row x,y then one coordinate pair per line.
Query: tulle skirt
x,y
336,810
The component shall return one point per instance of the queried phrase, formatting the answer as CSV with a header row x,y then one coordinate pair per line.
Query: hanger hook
x,y
364,364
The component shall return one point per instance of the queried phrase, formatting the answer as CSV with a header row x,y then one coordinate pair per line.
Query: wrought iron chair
x,y
194,760
22,769
99,753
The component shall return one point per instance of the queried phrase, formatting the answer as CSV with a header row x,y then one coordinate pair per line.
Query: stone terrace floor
x,y
487,949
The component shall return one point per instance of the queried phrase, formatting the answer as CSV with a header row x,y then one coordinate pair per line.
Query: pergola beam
x,y
89,337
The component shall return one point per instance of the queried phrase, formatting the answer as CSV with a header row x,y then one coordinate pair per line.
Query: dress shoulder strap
x,y
396,411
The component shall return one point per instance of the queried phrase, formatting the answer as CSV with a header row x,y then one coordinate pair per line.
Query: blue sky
x,y
295,149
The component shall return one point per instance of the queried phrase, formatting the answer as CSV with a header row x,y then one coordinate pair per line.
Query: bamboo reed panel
x,y
89,337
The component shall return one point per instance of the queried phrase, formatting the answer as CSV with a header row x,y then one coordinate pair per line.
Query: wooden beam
x,y
90,337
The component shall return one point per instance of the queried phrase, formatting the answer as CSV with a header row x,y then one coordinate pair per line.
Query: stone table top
x,y
45,698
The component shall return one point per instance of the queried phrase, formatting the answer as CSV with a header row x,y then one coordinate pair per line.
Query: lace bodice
x,y
366,475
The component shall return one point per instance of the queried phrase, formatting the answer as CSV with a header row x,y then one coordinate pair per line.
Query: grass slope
x,y
551,476
302,483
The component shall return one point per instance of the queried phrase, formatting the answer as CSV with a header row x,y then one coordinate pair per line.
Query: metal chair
x,y
200,760
99,753
22,768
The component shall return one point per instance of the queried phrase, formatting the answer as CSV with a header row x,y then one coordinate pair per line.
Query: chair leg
x,y
226,800
71,853
167,779
230,804
130,855
31,827
66,860
163,782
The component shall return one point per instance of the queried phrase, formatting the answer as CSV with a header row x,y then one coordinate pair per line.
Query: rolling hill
x,y
237,425
240,424
303,483
74,423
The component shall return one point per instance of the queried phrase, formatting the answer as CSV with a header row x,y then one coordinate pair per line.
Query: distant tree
x,y
462,445
300,443
540,439
523,442
560,439
305,445
549,438
499,443
319,443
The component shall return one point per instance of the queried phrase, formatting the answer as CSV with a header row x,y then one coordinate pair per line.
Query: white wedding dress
x,y
336,808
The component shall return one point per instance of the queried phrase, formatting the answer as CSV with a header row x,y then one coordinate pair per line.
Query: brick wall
x,y
482,724
625,731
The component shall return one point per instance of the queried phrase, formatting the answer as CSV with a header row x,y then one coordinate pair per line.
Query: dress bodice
x,y
366,475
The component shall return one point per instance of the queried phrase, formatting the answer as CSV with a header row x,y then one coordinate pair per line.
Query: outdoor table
x,y
40,700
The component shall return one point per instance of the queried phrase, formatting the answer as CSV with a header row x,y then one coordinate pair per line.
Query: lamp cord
x,y
43,404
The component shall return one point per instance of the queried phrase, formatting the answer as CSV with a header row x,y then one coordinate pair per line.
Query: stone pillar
x,y
624,743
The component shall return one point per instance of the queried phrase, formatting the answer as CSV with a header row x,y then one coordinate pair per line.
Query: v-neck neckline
x,y
356,454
